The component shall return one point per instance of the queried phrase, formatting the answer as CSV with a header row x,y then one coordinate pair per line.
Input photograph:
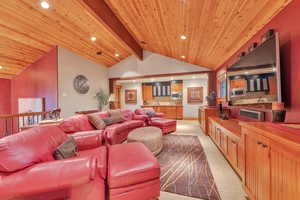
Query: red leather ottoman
x,y
133,173
166,125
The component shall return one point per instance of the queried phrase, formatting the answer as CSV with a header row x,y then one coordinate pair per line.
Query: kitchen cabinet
x,y
171,112
147,92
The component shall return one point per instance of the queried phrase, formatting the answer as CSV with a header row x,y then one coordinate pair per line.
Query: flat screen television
x,y
255,78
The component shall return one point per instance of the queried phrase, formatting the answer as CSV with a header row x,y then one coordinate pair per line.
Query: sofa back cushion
x,y
144,111
28,147
76,123
127,114
97,121
116,115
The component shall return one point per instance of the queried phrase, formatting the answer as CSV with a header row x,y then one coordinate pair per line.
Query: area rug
x,y
184,168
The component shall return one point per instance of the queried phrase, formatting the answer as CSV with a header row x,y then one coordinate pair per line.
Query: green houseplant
x,y
102,98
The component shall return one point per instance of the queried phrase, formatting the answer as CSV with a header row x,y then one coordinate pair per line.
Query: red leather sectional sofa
x,y
114,134
158,120
28,170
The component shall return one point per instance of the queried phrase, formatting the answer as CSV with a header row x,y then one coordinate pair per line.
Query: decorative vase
x,y
211,99
278,112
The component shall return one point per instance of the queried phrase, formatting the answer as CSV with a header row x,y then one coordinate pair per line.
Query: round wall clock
x,y
81,84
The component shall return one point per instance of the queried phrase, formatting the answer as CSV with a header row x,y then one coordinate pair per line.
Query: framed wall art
x,y
130,96
195,94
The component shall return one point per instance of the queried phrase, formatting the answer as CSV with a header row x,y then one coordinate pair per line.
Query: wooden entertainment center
x,y
265,157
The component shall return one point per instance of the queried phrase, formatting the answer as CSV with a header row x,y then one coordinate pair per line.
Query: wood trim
x,y
163,75
101,11
189,118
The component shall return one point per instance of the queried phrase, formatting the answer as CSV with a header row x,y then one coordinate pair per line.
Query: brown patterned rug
x,y
185,170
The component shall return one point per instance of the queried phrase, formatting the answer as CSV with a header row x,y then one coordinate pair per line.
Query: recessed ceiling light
x,y
183,57
183,37
93,38
1,67
45,4
117,55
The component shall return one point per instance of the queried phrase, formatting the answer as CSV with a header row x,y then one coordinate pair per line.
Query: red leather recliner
x,y
29,171
144,111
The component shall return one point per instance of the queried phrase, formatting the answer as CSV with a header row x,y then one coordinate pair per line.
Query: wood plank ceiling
x,y
28,31
215,29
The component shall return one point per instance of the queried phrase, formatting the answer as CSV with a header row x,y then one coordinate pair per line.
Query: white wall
x,y
152,64
131,86
69,66
191,110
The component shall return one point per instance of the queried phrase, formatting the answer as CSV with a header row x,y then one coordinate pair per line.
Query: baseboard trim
x,y
190,118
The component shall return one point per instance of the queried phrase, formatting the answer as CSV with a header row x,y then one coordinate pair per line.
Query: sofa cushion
x,y
141,167
97,121
133,124
110,121
67,149
116,128
127,114
28,147
101,154
76,123
89,139
103,114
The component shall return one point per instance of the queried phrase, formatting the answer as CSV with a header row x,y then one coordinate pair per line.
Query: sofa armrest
x,y
89,140
49,176
162,115
141,117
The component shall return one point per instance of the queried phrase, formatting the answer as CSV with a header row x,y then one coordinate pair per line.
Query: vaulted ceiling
x,y
215,29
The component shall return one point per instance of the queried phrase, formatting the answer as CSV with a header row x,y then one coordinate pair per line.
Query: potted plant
x,y
102,98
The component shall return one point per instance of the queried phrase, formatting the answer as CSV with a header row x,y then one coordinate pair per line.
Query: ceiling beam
x,y
100,10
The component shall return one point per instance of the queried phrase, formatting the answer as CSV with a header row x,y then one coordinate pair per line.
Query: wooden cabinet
x,y
224,143
204,112
233,152
257,179
171,112
267,159
272,163
147,92
176,88
227,136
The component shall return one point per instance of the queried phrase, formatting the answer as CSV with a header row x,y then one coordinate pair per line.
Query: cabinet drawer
x,y
232,152
223,142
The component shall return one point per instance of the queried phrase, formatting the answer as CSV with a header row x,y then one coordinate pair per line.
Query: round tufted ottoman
x,y
150,136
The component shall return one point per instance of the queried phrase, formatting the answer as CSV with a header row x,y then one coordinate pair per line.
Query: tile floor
x,y
228,183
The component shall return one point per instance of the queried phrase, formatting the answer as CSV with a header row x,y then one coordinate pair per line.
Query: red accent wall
x,y
287,25
38,80
5,96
